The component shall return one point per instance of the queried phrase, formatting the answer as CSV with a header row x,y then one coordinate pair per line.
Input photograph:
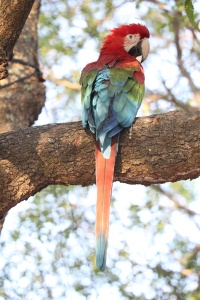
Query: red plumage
x,y
114,56
114,42
112,50
104,181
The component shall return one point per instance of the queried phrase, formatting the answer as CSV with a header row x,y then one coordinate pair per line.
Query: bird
x,y
112,89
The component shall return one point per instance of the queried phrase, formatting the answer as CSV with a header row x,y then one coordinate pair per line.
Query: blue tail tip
x,y
101,252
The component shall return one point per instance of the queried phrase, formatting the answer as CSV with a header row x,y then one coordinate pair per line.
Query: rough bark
x,y
13,17
22,94
158,149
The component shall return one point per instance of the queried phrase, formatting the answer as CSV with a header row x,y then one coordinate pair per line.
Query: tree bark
x,y
22,94
13,17
158,149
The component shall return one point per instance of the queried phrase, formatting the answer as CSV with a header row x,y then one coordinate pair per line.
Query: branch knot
x,y
4,58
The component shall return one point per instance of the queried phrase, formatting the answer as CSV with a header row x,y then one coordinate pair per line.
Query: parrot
x,y
112,89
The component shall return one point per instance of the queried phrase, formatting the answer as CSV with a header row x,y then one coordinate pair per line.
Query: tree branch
x,y
13,17
160,148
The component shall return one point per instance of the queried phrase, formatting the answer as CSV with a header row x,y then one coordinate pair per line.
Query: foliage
x,y
189,8
48,251
54,248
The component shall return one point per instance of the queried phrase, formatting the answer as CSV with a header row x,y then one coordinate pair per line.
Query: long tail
x,y
104,181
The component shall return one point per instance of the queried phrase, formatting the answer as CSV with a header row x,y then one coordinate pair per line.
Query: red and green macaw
x,y
112,92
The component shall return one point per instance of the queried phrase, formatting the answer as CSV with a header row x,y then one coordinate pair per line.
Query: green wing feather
x,y
86,81
111,98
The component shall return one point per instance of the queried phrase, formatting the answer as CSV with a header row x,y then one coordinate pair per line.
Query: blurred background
x,y
48,242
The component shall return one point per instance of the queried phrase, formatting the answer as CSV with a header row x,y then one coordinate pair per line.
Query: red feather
x,y
112,53
104,181
114,42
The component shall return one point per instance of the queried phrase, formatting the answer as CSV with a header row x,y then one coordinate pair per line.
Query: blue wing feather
x,y
111,99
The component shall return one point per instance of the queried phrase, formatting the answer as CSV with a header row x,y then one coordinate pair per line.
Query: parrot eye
x,y
130,41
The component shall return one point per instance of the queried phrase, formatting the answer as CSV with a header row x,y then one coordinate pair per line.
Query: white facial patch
x,y
131,40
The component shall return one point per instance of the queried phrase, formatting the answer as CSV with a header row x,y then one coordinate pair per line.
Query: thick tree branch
x,y
158,149
13,17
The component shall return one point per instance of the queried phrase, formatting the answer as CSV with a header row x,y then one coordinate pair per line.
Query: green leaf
x,y
189,8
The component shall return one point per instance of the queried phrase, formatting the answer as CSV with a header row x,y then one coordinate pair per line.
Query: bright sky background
x,y
138,240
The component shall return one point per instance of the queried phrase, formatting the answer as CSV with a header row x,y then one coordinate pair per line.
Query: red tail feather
x,y
104,180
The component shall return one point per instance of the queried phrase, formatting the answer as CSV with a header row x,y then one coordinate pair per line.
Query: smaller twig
x,y
18,80
182,105
159,4
194,34
178,205
155,96
25,63
184,72
187,272
64,82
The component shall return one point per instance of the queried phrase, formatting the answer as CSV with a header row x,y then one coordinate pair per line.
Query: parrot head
x,y
131,39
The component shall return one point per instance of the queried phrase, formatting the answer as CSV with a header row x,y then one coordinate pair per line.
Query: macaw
x,y
111,94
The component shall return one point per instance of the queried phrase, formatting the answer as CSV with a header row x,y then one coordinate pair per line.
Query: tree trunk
x,y
158,149
22,94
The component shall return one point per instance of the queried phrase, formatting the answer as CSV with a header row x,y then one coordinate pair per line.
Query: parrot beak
x,y
141,50
145,48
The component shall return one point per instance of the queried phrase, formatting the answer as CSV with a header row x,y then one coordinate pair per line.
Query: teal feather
x,y
129,84
111,98
119,75
102,244
114,90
